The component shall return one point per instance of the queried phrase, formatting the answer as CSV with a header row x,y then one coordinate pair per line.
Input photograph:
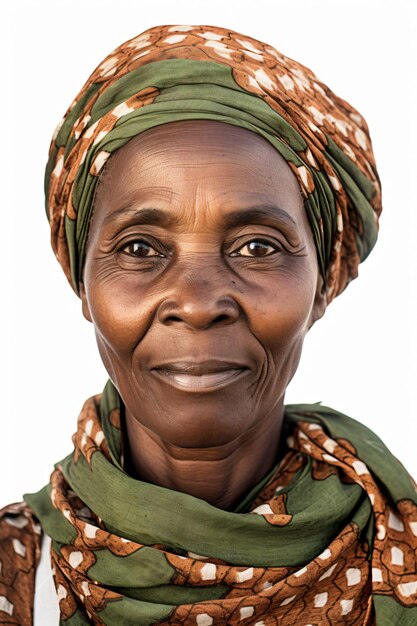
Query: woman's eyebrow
x,y
153,216
257,214
240,217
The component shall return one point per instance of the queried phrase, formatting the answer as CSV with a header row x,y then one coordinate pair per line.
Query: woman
x,y
208,198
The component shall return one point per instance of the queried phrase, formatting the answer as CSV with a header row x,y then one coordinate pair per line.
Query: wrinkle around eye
x,y
275,248
278,246
124,250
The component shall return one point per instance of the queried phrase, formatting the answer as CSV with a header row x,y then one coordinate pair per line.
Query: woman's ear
x,y
84,303
320,302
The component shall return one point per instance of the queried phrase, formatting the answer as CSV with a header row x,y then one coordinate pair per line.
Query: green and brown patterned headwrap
x,y
171,73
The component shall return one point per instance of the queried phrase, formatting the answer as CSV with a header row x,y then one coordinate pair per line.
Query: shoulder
x,y
20,548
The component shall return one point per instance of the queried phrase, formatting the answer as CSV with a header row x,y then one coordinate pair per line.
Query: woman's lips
x,y
200,382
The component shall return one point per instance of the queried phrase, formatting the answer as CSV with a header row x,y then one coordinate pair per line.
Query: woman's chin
x,y
209,412
198,425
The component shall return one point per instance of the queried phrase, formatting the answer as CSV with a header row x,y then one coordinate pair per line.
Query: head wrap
x,y
171,73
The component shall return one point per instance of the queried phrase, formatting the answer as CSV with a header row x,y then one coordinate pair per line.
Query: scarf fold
x,y
329,535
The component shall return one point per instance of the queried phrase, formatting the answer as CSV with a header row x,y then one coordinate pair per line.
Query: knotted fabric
x,y
171,73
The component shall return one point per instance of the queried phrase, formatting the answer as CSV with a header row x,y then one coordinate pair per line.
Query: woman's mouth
x,y
200,377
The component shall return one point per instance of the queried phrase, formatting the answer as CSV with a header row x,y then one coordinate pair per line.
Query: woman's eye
x,y
140,249
256,248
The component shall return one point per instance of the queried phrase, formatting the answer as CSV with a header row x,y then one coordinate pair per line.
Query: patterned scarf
x,y
171,73
329,536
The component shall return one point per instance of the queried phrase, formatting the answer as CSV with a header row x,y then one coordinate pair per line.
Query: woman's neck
x,y
220,475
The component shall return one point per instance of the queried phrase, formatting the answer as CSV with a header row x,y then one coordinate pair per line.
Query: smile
x,y
200,382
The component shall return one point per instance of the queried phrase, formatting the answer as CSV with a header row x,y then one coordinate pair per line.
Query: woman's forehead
x,y
197,143
202,163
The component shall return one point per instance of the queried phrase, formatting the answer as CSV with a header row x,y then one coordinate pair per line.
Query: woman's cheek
x,y
283,319
119,315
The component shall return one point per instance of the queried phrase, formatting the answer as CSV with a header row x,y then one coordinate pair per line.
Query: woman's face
x,y
201,280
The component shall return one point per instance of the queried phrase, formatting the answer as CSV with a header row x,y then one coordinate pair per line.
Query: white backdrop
x,y
360,359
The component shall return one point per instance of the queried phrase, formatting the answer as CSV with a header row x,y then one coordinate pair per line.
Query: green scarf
x,y
329,534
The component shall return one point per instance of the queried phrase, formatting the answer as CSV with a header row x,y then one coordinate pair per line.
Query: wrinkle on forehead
x,y
186,138
193,169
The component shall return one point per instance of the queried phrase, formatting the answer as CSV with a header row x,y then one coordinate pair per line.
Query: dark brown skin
x,y
198,289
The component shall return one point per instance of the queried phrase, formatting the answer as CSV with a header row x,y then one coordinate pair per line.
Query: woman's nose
x,y
199,302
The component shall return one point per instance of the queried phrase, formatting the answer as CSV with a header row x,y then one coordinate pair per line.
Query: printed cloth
x,y
171,73
329,537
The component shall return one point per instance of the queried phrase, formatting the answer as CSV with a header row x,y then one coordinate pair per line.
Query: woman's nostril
x,y
172,318
221,318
